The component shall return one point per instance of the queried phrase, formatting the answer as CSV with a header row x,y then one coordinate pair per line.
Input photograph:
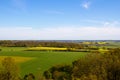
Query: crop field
x,y
47,49
38,61
18,59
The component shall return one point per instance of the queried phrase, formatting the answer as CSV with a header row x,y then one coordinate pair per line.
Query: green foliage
x,y
59,72
89,66
29,77
9,70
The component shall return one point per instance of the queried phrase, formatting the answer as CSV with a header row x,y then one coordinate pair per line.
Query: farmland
x,y
18,59
46,49
51,58
38,61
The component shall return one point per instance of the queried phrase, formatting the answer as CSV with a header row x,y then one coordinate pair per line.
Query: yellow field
x,y
47,48
102,42
17,59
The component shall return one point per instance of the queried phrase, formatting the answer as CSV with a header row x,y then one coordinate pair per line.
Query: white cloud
x,y
101,23
61,33
86,5
112,23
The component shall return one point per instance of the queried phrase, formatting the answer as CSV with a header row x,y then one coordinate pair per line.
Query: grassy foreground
x,y
42,60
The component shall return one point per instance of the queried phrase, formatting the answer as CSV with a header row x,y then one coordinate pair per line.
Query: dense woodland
x,y
94,66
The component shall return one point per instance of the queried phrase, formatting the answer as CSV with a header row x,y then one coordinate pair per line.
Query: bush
x,y
9,70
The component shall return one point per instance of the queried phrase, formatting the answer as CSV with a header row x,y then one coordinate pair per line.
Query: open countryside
x,y
59,39
40,59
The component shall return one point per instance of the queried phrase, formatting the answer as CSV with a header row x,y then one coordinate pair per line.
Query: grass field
x,y
42,61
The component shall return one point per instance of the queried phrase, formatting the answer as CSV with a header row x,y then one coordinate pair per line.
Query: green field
x,y
42,60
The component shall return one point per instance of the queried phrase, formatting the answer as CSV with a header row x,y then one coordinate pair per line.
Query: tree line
x,y
9,43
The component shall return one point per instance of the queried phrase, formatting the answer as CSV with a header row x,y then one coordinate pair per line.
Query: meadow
x,y
38,61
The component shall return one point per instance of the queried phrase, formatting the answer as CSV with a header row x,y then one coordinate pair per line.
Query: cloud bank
x,y
61,33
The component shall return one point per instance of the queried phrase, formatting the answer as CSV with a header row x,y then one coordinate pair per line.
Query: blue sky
x,y
59,19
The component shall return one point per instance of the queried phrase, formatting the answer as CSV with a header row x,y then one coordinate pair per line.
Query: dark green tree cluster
x,y
29,77
59,72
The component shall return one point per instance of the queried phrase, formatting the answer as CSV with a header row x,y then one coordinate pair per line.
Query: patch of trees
x,y
29,76
59,72
9,70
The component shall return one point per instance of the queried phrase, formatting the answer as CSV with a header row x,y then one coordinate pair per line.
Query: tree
x,y
9,69
47,75
29,76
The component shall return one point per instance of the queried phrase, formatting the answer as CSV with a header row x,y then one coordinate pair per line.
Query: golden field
x,y
17,58
47,49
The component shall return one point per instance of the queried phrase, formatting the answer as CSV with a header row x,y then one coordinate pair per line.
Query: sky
x,y
59,19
